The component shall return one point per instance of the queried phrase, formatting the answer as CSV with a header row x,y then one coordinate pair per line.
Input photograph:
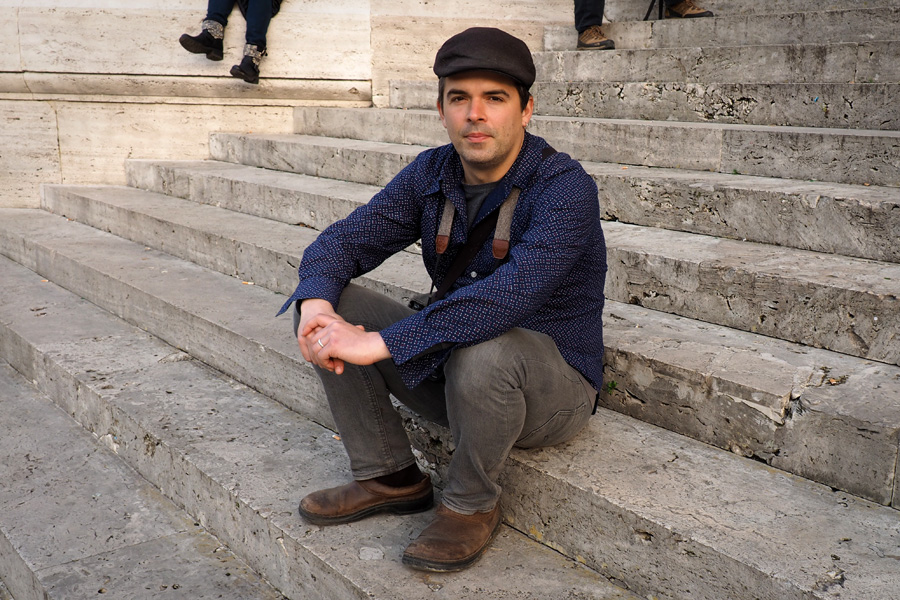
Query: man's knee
x,y
373,310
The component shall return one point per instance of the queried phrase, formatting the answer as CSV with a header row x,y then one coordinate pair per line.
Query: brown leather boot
x,y
453,541
359,499
592,38
687,10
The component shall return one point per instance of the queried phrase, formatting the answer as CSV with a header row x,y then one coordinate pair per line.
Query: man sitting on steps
x,y
589,17
509,350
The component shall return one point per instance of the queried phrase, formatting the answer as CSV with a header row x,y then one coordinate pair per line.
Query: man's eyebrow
x,y
499,92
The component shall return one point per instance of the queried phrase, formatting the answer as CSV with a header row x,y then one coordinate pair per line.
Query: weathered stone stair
x,y
752,313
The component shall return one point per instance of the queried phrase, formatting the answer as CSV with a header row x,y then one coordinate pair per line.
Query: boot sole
x,y
194,47
422,564
402,507
236,72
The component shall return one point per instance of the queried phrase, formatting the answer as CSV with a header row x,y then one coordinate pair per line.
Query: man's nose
x,y
476,110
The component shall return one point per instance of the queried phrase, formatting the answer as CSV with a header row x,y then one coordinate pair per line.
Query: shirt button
x,y
473,274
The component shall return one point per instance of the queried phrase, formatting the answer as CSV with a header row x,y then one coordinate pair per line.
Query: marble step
x,y
629,11
666,516
835,155
846,25
827,105
77,522
859,221
827,301
754,395
849,62
238,462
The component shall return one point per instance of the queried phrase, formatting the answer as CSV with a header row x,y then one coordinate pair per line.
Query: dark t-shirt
x,y
475,195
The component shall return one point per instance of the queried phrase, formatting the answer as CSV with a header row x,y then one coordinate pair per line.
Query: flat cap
x,y
488,49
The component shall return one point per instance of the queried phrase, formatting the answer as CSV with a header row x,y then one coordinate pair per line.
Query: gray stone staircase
x,y
749,438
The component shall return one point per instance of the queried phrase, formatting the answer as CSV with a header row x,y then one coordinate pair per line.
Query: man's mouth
x,y
476,137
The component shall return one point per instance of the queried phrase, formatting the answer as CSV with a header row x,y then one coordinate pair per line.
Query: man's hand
x,y
327,340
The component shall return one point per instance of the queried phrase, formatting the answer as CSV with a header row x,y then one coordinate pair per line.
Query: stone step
x,y
864,62
829,105
667,516
836,155
77,522
842,304
629,11
856,25
239,463
859,221
753,395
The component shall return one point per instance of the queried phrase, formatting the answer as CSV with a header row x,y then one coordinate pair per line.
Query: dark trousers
x,y
590,12
259,13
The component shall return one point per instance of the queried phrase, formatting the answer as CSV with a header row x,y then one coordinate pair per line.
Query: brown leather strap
x,y
477,236
500,246
442,239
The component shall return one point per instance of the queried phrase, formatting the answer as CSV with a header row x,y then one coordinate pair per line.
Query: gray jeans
x,y
514,390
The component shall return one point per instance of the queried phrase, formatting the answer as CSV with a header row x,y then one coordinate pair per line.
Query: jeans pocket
x,y
561,427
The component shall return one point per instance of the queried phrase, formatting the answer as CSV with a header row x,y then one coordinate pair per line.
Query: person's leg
x,y
370,428
513,390
588,18
259,15
587,13
384,469
219,10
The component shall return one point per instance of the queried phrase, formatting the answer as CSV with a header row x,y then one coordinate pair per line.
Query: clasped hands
x,y
328,341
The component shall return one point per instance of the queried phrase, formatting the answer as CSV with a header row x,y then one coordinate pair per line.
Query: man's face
x,y
483,116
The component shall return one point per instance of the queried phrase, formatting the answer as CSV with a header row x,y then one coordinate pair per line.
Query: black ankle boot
x,y
208,42
248,70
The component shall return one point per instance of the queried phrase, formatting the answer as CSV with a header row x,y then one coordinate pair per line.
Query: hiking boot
x,y
453,541
248,70
593,39
687,10
359,499
208,42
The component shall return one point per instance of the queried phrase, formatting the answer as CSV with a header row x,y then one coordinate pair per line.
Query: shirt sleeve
x,y
563,213
363,240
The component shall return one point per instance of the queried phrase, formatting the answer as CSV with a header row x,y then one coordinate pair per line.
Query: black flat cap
x,y
488,49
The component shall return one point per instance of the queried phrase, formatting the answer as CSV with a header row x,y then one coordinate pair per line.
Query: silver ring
x,y
321,345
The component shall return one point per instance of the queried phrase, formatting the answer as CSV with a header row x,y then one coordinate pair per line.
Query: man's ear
x,y
528,112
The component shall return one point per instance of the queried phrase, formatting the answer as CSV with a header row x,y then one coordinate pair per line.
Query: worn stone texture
x,y
729,29
232,457
286,197
820,300
79,521
812,63
656,509
838,155
843,219
850,106
633,10
28,152
326,40
406,34
217,334
95,139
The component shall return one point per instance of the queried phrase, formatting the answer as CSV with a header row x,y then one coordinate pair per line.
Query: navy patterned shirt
x,y
552,281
